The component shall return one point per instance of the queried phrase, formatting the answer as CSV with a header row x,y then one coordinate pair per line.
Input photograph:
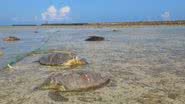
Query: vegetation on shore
x,y
116,24
178,22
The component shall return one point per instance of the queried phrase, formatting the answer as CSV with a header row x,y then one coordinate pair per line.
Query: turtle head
x,y
76,61
54,87
50,86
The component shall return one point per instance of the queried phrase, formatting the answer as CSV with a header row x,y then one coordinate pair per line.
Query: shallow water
x,y
146,65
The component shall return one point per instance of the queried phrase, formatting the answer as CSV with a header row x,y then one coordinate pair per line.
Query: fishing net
x,y
36,45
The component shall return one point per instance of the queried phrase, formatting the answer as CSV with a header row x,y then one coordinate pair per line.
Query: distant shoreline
x,y
24,25
141,23
104,25
114,24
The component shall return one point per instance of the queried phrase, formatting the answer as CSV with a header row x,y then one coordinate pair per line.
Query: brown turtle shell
x,y
75,81
55,59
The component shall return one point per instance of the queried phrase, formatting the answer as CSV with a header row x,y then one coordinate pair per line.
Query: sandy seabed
x,y
146,66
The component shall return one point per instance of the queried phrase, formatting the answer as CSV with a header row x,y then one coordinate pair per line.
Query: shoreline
x,y
89,26
139,23
104,25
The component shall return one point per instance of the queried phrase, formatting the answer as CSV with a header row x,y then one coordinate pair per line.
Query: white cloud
x,y
166,16
53,14
64,11
50,13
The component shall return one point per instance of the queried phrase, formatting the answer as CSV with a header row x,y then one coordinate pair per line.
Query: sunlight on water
x,y
146,65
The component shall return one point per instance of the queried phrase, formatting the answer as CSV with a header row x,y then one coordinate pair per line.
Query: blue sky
x,y
68,11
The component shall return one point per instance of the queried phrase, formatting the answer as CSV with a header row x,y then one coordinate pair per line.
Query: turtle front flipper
x,y
56,96
51,84
45,85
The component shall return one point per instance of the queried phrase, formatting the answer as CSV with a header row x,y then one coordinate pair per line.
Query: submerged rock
x,y
66,59
1,53
11,38
36,32
95,38
74,81
114,30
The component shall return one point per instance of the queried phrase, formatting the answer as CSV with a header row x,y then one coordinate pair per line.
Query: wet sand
x,y
146,66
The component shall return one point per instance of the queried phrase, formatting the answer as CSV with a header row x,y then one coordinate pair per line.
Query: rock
x,y
2,48
74,81
36,32
95,38
11,38
66,59
114,30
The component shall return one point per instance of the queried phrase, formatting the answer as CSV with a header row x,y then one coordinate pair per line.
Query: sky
x,y
89,11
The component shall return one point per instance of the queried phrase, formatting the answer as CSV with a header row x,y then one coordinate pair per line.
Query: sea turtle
x,y
74,81
67,59
95,38
11,38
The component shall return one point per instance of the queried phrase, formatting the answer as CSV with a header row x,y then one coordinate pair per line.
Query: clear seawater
x,y
146,65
